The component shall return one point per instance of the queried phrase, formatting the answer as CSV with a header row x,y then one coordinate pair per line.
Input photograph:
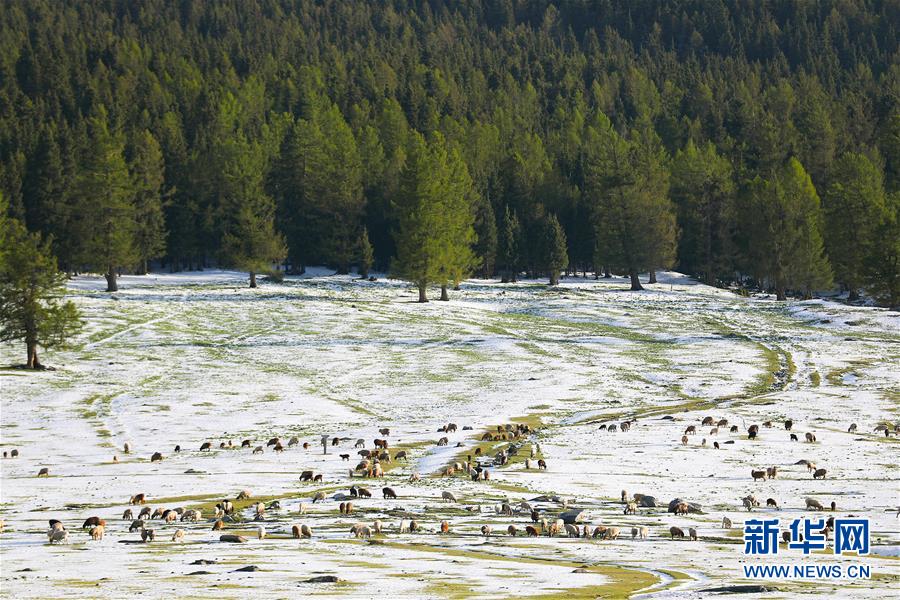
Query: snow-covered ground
x,y
187,358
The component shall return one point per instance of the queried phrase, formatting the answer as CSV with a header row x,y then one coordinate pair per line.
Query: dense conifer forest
x,y
744,142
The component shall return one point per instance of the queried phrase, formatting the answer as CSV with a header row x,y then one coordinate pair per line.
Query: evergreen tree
x,y
703,193
366,254
104,201
854,206
31,290
510,234
881,266
783,221
457,217
557,256
147,175
633,216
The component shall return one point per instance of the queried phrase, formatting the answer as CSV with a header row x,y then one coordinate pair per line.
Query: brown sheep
x,y
385,431
707,421
512,531
684,440
819,474
542,464
486,530
218,525
445,527
852,428
92,522
295,532
308,475
205,446
691,430
244,495
157,456
363,493
761,475
692,534
722,423
305,531
97,532
44,472
531,531
147,535
128,515
381,444
771,472
401,455
138,499
810,437
145,512
788,424
631,508
388,493
676,531
733,429
682,508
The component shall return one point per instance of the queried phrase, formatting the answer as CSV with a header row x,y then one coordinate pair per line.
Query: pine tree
x,y
457,217
510,232
105,195
783,222
557,256
31,290
703,193
366,254
854,205
147,173
881,266
634,219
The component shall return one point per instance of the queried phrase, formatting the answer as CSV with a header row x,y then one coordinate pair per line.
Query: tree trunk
x,y
606,273
143,268
444,296
504,278
422,296
33,361
652,276
111,284
635,281
779,293
252,279
854,295
554,277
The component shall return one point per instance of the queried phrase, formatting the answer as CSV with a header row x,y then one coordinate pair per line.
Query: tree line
x,y
746,143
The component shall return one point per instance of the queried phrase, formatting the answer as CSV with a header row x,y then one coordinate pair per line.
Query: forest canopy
x,y
744,142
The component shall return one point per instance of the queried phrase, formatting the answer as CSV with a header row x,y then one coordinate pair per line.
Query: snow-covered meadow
x,y
189,358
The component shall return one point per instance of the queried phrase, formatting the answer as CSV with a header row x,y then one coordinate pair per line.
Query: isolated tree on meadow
x,y
31,291
105,201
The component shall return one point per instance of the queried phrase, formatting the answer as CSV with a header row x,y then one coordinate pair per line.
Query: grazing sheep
x,y
385,431
273,441
218,525
147,535
44,472
612,428
157,456
512,531
624,496
363,492
707,421
734,429
794,437
810,466
145,512
684,440
258,450
205,446
97,532
295,531
810,437
813,504
833,507
383,444
542,464
178,536
388,493
716,445
572,530
682,508
703,442
171,517
676,531
192,515
445,527
631,508
749,502
714,431
599,532
138,499
691,430
770,502
319,496
92,522
293,441
722,423
819,474
486,530
308,475
128,515
305,531
788,424
757,474
692,534
612,533
726,523
530,531
772,472
852,428
58,534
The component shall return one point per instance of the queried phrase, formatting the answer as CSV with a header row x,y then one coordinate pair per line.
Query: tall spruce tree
x,y
854,206
508,255
702,190
105,195
148,176
783,221
32,309
555,243
881,266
